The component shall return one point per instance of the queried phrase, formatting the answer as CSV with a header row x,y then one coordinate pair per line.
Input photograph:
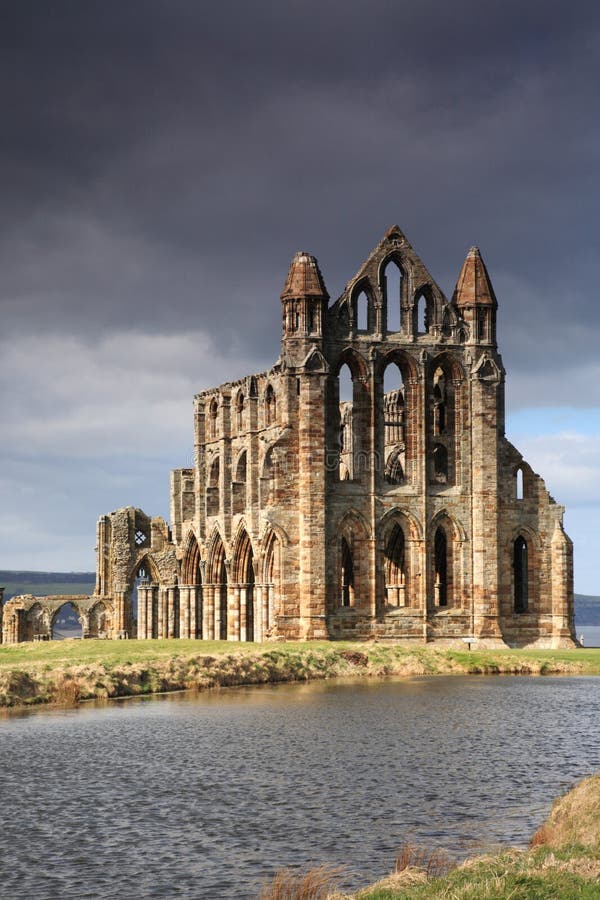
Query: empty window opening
x,y
213,413
520,486
441,568
346,385
482,325
521,576
393,294
270,405
212,489
439,402
238,488
422,322
239,411
394,424
440,464
362,311
347,575
395,574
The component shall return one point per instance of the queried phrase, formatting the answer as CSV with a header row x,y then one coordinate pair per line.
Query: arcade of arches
x,y
360,488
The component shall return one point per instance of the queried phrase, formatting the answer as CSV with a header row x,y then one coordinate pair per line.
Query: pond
x,y
205,796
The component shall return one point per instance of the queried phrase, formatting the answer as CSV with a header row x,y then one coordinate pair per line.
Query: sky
x,y
161,161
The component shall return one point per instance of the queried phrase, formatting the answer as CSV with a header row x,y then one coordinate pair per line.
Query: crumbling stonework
x,y
29,618
400,511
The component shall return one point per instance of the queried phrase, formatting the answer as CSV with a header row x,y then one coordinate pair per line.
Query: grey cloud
x,y
161,162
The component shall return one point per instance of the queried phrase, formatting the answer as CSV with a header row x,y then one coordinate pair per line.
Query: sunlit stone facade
x,y
362,487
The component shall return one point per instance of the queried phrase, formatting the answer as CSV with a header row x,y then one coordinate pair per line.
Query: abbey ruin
x,y
361,488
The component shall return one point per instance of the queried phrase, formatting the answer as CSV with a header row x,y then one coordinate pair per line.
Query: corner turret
x,y
304,299
475,299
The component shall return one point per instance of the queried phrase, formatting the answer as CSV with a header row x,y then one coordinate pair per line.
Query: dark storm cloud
x,y
161,161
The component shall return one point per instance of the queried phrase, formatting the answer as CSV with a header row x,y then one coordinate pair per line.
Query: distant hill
x,y
44,583
587,610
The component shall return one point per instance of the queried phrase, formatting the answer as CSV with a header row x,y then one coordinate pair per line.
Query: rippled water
x,y
206,796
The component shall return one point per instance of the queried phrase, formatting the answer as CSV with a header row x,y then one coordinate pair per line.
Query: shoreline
x,y
68,673
562,860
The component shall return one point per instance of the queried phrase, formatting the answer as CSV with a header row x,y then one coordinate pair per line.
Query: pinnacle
x,y
304,278
474,286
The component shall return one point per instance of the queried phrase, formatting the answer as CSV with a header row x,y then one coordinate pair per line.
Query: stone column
x,y
184,611
486,393
171,611
208,612
196,616
233,606
311,494
120,596
217,610
561,550
243,601
142,612
258,612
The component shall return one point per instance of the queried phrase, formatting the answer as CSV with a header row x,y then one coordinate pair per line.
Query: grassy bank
x,y
70,671
563,862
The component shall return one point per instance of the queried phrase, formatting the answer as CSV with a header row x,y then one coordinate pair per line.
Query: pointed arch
x,y
362,305
423,310
190,566
36,622
444,516
440,552
397,407
520,575
393,280
446,416
144,568
243,576
66,613
347,575
348,416
446,539
100,620
399,543
272,542
218,580
351,542
412,527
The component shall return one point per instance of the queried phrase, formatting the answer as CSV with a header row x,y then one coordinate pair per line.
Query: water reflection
x,y
205,796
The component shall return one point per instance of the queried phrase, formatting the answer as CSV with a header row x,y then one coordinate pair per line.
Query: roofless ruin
x,y
362,487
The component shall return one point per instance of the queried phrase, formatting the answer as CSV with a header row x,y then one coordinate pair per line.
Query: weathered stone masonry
x,y
398,511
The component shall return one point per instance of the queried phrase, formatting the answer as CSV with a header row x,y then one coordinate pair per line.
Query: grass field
x,y
434,659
